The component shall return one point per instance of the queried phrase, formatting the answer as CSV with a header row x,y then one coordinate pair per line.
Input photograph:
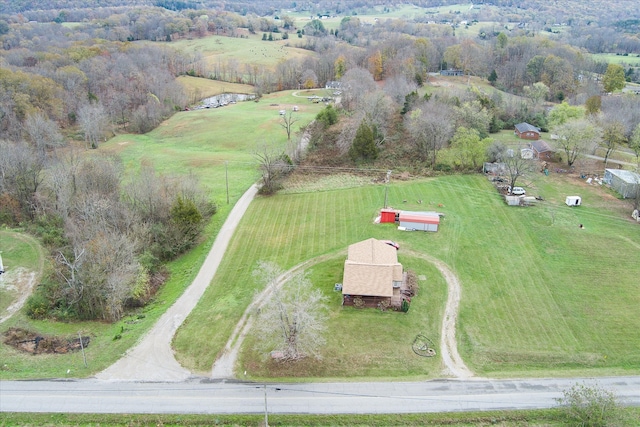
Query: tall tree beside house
x,y
292,322
576,137
516,166
612,137
364,146
614,78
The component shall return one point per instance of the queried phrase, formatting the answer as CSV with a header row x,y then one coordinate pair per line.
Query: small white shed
x,y
573,200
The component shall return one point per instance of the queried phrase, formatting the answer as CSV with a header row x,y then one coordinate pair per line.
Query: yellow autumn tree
x,y
340,66
376,65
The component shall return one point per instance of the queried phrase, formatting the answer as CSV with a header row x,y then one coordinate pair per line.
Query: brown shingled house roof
x,y
370,269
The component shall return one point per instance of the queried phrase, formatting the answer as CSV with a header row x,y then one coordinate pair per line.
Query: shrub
x,y
590,406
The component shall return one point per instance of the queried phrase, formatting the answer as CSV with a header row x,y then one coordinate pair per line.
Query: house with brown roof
x,y
372,275
527,131
541,149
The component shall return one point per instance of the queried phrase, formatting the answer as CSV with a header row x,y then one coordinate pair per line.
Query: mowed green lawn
x,y
540,295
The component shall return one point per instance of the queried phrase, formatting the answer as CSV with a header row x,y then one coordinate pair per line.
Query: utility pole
x,y
386,188
266,414
226,179
84,356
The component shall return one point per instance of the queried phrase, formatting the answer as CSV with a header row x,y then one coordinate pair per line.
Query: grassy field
x,y
198,142
219,50
539,296
538,418
612,58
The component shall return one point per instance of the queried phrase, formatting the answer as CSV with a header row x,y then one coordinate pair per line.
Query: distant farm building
x,y
527,131
452,73
411,221
372,275
624,182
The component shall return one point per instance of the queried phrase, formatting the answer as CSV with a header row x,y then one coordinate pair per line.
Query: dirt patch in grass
x,y
306,183
34,343
18,282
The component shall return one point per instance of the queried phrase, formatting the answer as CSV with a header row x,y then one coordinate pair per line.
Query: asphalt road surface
x,y
202,396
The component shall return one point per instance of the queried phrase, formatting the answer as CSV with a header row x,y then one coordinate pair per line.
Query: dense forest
x,y
70,71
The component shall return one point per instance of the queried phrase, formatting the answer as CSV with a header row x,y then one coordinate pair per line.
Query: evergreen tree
x,y
493,77
363,146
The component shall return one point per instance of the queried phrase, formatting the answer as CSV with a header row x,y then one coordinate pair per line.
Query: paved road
x,y
201,396
153,359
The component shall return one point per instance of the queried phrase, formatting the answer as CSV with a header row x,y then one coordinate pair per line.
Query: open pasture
x,y
205,141
220,51
540,296
632,60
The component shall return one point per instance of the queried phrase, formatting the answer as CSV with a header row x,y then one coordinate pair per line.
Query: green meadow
x,y
250,50
540,296
632,60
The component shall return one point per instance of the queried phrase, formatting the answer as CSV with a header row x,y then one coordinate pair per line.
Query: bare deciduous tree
x,y
273,164
293,320
431,127
93,121
612,136
43,132
355,84
288,120
21,173
516,166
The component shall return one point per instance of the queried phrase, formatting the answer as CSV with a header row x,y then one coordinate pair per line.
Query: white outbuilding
x,y
573,200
